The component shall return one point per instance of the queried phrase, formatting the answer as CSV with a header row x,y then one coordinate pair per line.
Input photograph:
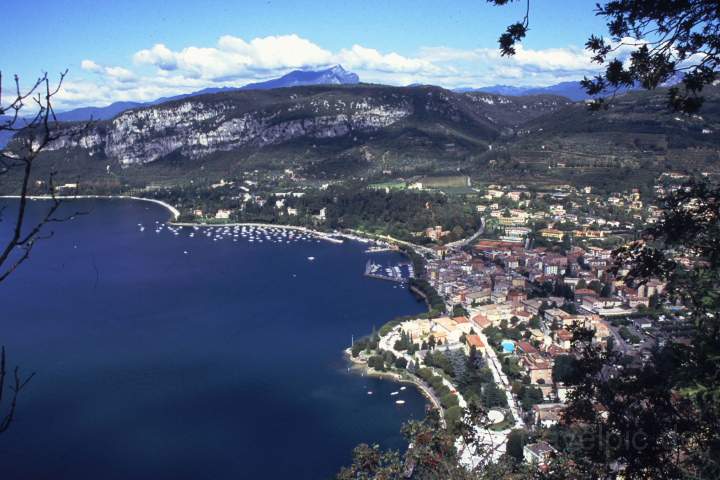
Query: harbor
x,y
399,273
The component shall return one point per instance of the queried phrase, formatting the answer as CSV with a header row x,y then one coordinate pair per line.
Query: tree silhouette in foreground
x,y
661,39
12,388
28,115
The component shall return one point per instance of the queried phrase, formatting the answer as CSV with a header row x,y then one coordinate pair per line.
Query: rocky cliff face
x,y
200,126
196,129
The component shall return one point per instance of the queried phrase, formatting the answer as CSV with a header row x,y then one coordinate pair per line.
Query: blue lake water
x,y
222,362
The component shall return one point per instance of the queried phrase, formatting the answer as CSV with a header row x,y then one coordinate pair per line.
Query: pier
x,y
382,248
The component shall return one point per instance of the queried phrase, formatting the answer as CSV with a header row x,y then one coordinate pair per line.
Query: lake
x,y
163,355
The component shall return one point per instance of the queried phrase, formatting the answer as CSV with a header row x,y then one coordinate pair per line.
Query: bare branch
x,y
19,383
37,134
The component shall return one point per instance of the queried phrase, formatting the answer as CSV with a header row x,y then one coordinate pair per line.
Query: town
x,y
540,268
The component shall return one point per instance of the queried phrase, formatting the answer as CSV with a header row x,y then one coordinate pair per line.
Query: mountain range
x,y
375,131
571,90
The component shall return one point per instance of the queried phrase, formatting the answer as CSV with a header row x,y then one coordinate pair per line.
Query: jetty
x,y
382,248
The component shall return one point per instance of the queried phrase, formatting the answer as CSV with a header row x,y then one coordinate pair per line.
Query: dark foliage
x,y
668,38
662,419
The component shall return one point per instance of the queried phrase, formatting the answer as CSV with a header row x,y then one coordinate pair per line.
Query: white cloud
x,y
485,66
554,58
233,58
119,74
362,58
90,66
159,55
233,61
285,51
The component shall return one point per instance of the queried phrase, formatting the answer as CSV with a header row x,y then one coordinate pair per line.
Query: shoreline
x,y
357,364
334,237
173,211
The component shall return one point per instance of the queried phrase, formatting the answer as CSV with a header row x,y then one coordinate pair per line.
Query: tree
x,y
570,308
14,387
33,134
596,286
565,369
664,39
530,396
493,396
661,419
459,311
458,232
370,462
34,131
654,302
516,441
377,362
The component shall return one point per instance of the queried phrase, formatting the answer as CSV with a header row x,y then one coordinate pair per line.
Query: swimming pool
x,y
508,346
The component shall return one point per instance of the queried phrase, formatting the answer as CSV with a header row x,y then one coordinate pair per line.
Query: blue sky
x,y
141,50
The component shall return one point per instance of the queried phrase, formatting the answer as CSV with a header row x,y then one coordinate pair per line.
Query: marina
x,y
399,273
249,234
329,237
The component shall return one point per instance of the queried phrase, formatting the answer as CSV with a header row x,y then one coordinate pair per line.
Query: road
x,y
620,344
387,238
470,239
501,378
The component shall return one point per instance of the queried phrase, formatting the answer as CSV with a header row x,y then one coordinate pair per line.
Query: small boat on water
x,y
402,388
400,402
369,392
394,393
311,258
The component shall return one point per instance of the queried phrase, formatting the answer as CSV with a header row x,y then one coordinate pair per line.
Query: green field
x,y
455,181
